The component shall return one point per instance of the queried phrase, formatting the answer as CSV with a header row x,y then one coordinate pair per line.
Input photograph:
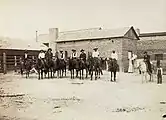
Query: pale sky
x,y
21,18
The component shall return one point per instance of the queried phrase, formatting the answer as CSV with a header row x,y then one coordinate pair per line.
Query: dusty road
x,y
66,99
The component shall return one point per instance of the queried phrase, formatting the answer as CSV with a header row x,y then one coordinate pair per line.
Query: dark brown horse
x,y
94,67
73,66
113,67
83,66
41,68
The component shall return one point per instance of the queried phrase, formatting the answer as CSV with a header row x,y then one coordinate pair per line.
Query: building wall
x,y
128,45
153,38
105,46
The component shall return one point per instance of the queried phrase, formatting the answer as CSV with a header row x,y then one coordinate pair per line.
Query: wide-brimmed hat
x,y
145,52
50,49
60,50
82,50
73,50
95,48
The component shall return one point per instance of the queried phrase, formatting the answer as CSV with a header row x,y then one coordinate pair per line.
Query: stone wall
x,y
106,46
128,45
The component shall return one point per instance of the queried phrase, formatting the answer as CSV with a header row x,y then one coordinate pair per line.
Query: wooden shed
x,y
12,49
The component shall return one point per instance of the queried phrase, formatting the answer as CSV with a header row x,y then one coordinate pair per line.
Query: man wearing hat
x,y
83,55
49,54
62,56
114,55
25,56
147,61
41,55
74,54
95,53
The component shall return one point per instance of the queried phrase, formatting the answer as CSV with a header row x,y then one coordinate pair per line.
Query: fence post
x,y
4,63
15,63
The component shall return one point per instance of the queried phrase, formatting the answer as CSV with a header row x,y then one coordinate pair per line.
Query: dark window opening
x,y
158,56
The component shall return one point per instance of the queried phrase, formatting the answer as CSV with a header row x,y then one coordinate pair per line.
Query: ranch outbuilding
x,y
122,40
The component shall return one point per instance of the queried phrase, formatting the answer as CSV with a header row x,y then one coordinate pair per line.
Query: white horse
x,y
142,67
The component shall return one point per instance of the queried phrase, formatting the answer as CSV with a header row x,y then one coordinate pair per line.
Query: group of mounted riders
x,y
47,63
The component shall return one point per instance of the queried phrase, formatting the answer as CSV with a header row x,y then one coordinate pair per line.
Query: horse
x,y
82,66
94,66
113,67
21,66
73,65
41,67
61,63
28,66
142,66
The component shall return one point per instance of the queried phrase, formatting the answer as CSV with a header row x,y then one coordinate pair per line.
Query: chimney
x,y
53,36
137,31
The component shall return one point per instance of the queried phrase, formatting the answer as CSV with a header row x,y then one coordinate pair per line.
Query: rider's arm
x,y
39,56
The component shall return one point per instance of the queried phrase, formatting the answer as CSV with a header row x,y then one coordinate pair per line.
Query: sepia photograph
x,y
82,59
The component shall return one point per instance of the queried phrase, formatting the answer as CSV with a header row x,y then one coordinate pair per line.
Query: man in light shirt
x,y
114,55
95,53
62,56
41,54
74,54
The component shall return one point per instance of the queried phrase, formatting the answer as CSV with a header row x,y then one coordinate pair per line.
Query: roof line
x,y
82,29
152,34
60,41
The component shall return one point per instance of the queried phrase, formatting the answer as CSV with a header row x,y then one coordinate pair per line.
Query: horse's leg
x,y
142,77
115,76
82,73
71,74
39,75
65,71
86,70
95,74
111,75
91,73
99,71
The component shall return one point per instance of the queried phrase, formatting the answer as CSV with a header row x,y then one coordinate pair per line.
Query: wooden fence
x,y
10,60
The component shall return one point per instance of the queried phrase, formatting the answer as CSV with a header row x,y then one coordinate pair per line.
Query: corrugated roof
x,y
9,43
151,44
92,34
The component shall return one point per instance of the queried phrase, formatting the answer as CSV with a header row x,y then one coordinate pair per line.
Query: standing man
x,y
147,61
134,61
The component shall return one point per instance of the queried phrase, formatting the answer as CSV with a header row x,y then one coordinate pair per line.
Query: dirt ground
x,y
66,99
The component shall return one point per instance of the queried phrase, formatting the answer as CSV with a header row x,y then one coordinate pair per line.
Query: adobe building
x,y
122,40
155,45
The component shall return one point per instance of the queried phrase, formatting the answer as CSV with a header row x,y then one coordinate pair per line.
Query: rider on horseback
x,y
41,56
114,55
147,61
49,54
83,55
74,54
62,56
